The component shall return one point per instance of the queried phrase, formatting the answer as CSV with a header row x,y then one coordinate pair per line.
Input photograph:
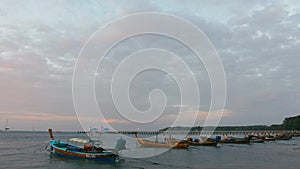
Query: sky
x,y
258,43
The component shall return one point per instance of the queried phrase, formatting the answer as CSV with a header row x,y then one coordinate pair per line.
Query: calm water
x,y
27,150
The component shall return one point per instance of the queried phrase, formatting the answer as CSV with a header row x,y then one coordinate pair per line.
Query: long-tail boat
x,y
255,138
283,137
234,140
258,140
206,142
89,150
270,138
168,143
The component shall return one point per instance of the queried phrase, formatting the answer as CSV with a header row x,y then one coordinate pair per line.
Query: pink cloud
x,y
35,116
114,121
201,115
42,117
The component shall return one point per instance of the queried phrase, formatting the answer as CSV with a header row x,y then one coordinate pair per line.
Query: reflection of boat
x,y
89,150
196,142
168,143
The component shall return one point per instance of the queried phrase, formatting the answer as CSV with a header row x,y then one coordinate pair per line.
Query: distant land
x,y
289,123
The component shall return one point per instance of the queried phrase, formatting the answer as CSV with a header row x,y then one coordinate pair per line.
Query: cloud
x,y
37,116
195,118
119,121
258,42
34,116
178,106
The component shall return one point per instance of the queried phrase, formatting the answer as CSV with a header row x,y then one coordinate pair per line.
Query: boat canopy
x,y
79,140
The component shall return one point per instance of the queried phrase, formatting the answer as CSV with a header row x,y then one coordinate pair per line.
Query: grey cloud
x,y
258,42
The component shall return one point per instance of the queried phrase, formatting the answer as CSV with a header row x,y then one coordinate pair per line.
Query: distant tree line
x,y
289,123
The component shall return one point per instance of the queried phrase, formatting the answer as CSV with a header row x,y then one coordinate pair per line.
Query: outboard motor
x,y
218,138
190,139
120,145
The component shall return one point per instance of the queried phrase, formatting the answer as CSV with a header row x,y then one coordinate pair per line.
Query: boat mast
x,y
33,128
6,125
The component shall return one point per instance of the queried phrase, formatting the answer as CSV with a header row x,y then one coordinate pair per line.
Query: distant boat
x,y
33,130
169,143
284,137
270,138
255,138
147,143
257,141
6,126
233,140
207,142
90,149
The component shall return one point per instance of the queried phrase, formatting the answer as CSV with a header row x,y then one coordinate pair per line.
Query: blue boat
x,y
89,150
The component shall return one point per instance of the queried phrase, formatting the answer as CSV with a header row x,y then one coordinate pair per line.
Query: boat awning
x,y
79,140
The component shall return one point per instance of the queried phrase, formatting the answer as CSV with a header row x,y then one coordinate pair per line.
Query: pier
x,y
255,132
206,132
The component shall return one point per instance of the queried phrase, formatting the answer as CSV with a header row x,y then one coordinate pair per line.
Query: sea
x,y
29,150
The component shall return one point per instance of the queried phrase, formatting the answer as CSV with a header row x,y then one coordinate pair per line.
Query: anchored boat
x,y
6,126
270,138
206,142
255,139
234,140
89,150
168,143
283,137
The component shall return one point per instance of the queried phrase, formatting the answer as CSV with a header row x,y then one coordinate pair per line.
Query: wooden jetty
x,y
253,132
235,132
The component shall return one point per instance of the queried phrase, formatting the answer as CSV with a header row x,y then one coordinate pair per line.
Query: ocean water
x,y
27,150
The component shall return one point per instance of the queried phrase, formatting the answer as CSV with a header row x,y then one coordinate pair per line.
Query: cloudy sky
x,y
258,43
